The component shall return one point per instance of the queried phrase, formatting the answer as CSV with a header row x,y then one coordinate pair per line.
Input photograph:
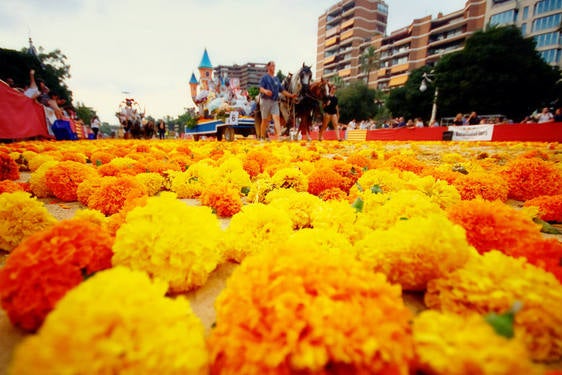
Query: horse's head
x,y
305,75
320,89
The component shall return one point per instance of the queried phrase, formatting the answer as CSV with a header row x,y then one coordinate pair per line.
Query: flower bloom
x,y
223,199
307,311
10,186
492,283
63,180
9,169
450,344
298,206
38,180
484,185
20,217
171,241
550,207
398,252
531,178
112,193
254,229
47,265
116,322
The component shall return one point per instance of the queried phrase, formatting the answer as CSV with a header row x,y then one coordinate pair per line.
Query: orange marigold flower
x,y
405,163
531,178
63,180
74,156
223,199
113,192
46,265
159,166
492,225
485,185
308,311
491,283
550,207
321,179
9,169
101,157
335,194
9,186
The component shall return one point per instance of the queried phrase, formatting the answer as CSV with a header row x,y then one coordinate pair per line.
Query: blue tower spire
x,y
205,61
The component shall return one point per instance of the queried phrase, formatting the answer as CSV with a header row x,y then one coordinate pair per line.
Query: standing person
x,y
32,91
270,88
331,113
161,129
95,125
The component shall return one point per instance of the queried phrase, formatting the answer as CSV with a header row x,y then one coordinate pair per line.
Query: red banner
x,y
20,117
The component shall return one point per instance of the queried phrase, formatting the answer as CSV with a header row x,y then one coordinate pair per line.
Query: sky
x,y
149,49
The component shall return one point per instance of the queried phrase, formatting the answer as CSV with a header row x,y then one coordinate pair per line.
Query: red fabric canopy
x,y
20,117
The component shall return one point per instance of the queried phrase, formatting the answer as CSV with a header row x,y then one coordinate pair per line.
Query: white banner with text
x,y
472,132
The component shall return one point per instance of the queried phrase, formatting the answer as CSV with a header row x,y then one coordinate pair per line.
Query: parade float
x,y
222,105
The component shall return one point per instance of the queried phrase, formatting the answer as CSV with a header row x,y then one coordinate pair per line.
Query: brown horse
x,y
308,104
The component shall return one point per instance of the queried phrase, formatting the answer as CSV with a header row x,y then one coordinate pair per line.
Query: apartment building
x,y
248,74
344,31
423,42
538,19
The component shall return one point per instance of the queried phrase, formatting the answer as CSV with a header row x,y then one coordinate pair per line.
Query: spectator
x,y
352,125
161,129
32,91
95,125
558,115
401,123
545,116
473,119
458,121
419,123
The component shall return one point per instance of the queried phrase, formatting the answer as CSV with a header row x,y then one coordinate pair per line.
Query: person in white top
x,y
95,125
32,91
545,116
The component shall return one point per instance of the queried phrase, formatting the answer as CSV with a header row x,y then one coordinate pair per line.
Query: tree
x,y
409,101
85,113
369,61
357,101
337,81
253,91
498,71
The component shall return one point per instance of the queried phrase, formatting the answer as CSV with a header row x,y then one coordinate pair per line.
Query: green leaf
x,y
245,190
376,189
98,163
358,205
546,227
359,187
502,324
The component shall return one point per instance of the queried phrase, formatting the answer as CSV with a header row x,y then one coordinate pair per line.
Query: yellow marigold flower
x,y
20,217
38,180
170,240
290,178
404,258
339,217
450,344
192,182
297,205
382,211
439,191
36,161
259,189
116,322
491,283
308,311
320,238
255,228
380,179
231,171
153,182
93,216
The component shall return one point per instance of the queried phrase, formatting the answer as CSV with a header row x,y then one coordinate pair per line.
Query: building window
x,y
383,8
547,6
546,22
548,39
504,18
524,29
551,56
525,13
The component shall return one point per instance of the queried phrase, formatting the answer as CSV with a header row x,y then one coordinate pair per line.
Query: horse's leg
x,y
304,126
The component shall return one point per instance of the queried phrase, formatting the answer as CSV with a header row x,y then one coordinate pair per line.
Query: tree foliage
x,y
85,113
409,101
51,67
498,71
369,61
357,101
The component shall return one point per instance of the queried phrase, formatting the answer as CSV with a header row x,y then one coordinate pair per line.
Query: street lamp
x,y
430,78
